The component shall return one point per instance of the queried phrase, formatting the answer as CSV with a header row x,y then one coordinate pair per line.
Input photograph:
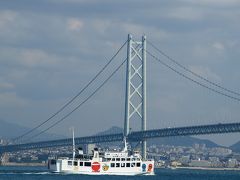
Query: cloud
x,y
27,57
101,25
75,24
218,46
50,49
10,100
69,1
138,30
185,13
214,2
209,50
6,85
7,17
205,72
35,57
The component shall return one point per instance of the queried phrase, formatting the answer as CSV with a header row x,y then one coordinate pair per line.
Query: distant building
x,y
4,158
172,157
232,163
199,147
34,158
87,148
196,146
160,163
215,162
184,160
175,164
236,156
2,142
218,151
200,163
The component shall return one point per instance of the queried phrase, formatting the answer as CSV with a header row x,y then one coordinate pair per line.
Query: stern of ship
x,y
53,165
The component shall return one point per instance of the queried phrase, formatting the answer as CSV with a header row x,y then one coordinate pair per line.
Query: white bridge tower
x,y
135,102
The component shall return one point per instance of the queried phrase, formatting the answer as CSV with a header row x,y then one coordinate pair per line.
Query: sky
x,y
50,49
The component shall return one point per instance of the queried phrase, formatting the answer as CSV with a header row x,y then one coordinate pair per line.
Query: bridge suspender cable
x,y
195,74
95,77
71,100
196,82
96,90
82,103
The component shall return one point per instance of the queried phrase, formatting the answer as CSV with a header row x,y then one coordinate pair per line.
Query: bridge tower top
x,y
135,100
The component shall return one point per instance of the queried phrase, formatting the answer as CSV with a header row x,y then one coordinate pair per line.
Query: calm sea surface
x,y
161,174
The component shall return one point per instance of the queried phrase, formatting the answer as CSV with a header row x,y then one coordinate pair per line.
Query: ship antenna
x,y
73,141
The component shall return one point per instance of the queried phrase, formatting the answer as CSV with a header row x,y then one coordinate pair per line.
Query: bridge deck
x,y
134,136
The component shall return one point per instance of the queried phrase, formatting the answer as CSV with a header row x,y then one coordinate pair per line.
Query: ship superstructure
x,y
108,163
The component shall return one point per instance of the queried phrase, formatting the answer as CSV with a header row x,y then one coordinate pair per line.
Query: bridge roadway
x,y
134,136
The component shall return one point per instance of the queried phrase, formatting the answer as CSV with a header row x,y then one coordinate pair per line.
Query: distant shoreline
x,y
23,164
193,168
203,168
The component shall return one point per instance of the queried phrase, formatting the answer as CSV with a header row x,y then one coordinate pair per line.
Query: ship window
x,y
133,159
87,163
132,164
123,159
69,163
75,163
117,159
113,159
117,164
128,159
108,159
138,164
81,163
53,161
127,164
138,159
122,164
112,164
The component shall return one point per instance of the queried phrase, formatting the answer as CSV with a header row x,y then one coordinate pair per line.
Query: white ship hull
x,y
102,168
111,163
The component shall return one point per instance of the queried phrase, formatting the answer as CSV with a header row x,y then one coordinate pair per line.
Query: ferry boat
x,y
107,163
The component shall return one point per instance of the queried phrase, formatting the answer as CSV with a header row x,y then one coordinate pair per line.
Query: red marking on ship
x,y
150,166
95,166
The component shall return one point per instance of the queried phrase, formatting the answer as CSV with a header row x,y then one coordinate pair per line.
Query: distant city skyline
x,y
50,49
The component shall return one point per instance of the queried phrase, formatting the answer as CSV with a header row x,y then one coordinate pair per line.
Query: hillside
x,y
171,141
235,147
10,130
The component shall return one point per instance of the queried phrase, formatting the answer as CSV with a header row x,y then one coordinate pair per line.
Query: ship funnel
x,y
80,151
95,154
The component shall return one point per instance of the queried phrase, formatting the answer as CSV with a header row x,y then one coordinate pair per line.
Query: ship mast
x,y
125,144
73,145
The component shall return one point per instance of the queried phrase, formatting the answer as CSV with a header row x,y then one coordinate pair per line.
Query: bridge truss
x,y
132,137
135,105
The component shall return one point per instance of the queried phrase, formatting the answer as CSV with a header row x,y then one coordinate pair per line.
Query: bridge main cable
x,y
72,99
191,79
82,103
190,71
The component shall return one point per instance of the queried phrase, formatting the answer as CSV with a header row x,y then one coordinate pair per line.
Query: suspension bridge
x,y
135,104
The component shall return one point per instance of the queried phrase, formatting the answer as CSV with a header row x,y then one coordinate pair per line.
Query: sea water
x,y
38,173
